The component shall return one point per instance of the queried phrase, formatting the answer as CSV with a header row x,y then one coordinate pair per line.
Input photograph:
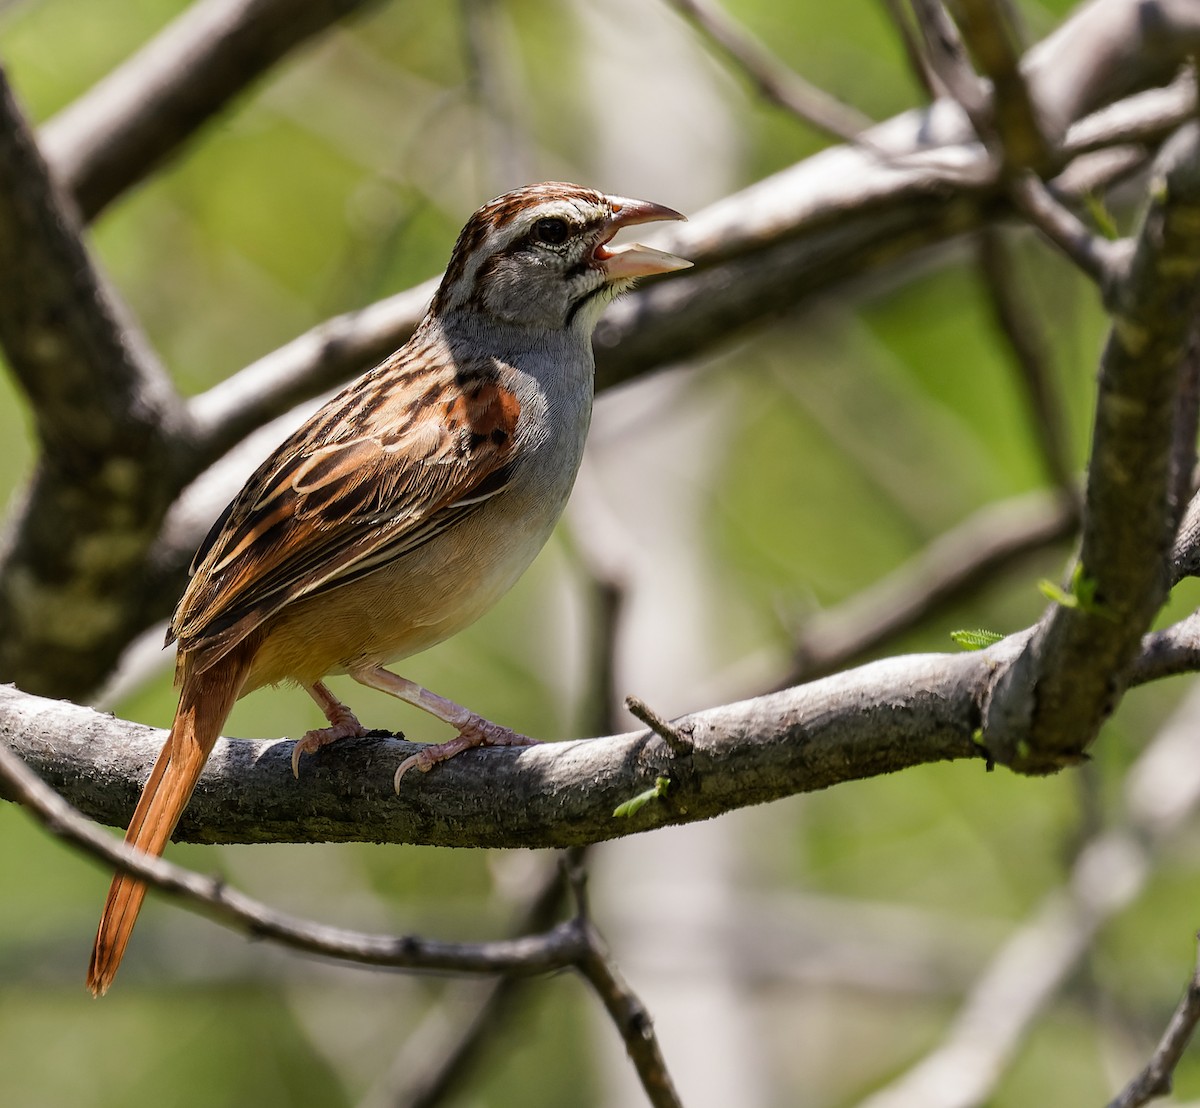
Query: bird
x,y
405,507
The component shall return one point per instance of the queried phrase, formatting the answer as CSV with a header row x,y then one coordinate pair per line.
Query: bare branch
x,y
126,125
1021,327
1162,794
988,27
111,427
424,1074
1145,117
557,948
1096,256
917,60
554,794
882,717
1155,1079
1048,707
952,566
1169,652
947,58
632,1021
772,79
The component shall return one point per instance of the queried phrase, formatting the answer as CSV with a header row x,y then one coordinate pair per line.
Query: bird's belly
x,y
424,596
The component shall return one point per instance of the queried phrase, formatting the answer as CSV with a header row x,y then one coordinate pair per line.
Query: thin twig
x,y
421,1076
947,58
633,1022
990,34
917,61
1095,255
556,948
1021,327
626,1010
1038,959
774,81
679,743
1144,118
1155,1079
127,124
952,566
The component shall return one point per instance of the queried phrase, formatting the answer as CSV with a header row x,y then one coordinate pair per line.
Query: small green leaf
x,y
1055,592
1081,596
635,803
1101,216
975,640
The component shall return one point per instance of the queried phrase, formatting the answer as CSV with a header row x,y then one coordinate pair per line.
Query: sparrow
x,y
405,507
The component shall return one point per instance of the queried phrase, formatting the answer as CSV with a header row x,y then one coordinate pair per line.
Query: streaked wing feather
x,y
324,509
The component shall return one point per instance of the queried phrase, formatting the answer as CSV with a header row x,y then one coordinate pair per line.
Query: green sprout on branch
x,y
636,803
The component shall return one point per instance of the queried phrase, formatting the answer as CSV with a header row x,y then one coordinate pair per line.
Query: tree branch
x,y
424,1074
556,948
1155,1079
632,1021
1095,255
572,943
879,718
987,27
553,795
770,77
1021,327
1046,709
1161,795
952,566
128,124
110,426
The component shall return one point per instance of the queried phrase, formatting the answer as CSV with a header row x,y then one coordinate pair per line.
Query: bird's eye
x,y
551,230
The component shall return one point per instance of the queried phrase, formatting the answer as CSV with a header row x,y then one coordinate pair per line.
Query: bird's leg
x,y
343,724
473,730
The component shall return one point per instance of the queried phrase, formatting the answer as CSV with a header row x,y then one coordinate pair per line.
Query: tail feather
x,y
205,701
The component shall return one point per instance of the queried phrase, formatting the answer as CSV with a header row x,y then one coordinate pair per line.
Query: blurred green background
x,y
797,954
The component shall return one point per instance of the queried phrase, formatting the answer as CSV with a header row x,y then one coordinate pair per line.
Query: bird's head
x,y
541,257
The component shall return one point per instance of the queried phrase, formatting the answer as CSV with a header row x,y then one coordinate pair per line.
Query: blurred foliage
x,y
862,427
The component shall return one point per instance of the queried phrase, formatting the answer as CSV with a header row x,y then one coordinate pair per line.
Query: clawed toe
x,y
347,727
420,760
479,732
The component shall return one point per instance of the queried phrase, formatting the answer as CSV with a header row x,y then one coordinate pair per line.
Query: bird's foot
x,y
343,724
477,732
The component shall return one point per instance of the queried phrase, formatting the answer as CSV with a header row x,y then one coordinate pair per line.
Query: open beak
x,y
633,259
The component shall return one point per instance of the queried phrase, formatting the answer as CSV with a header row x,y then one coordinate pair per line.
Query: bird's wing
x,y
384,467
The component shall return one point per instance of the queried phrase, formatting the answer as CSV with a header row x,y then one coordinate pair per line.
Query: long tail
x,y
205,701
